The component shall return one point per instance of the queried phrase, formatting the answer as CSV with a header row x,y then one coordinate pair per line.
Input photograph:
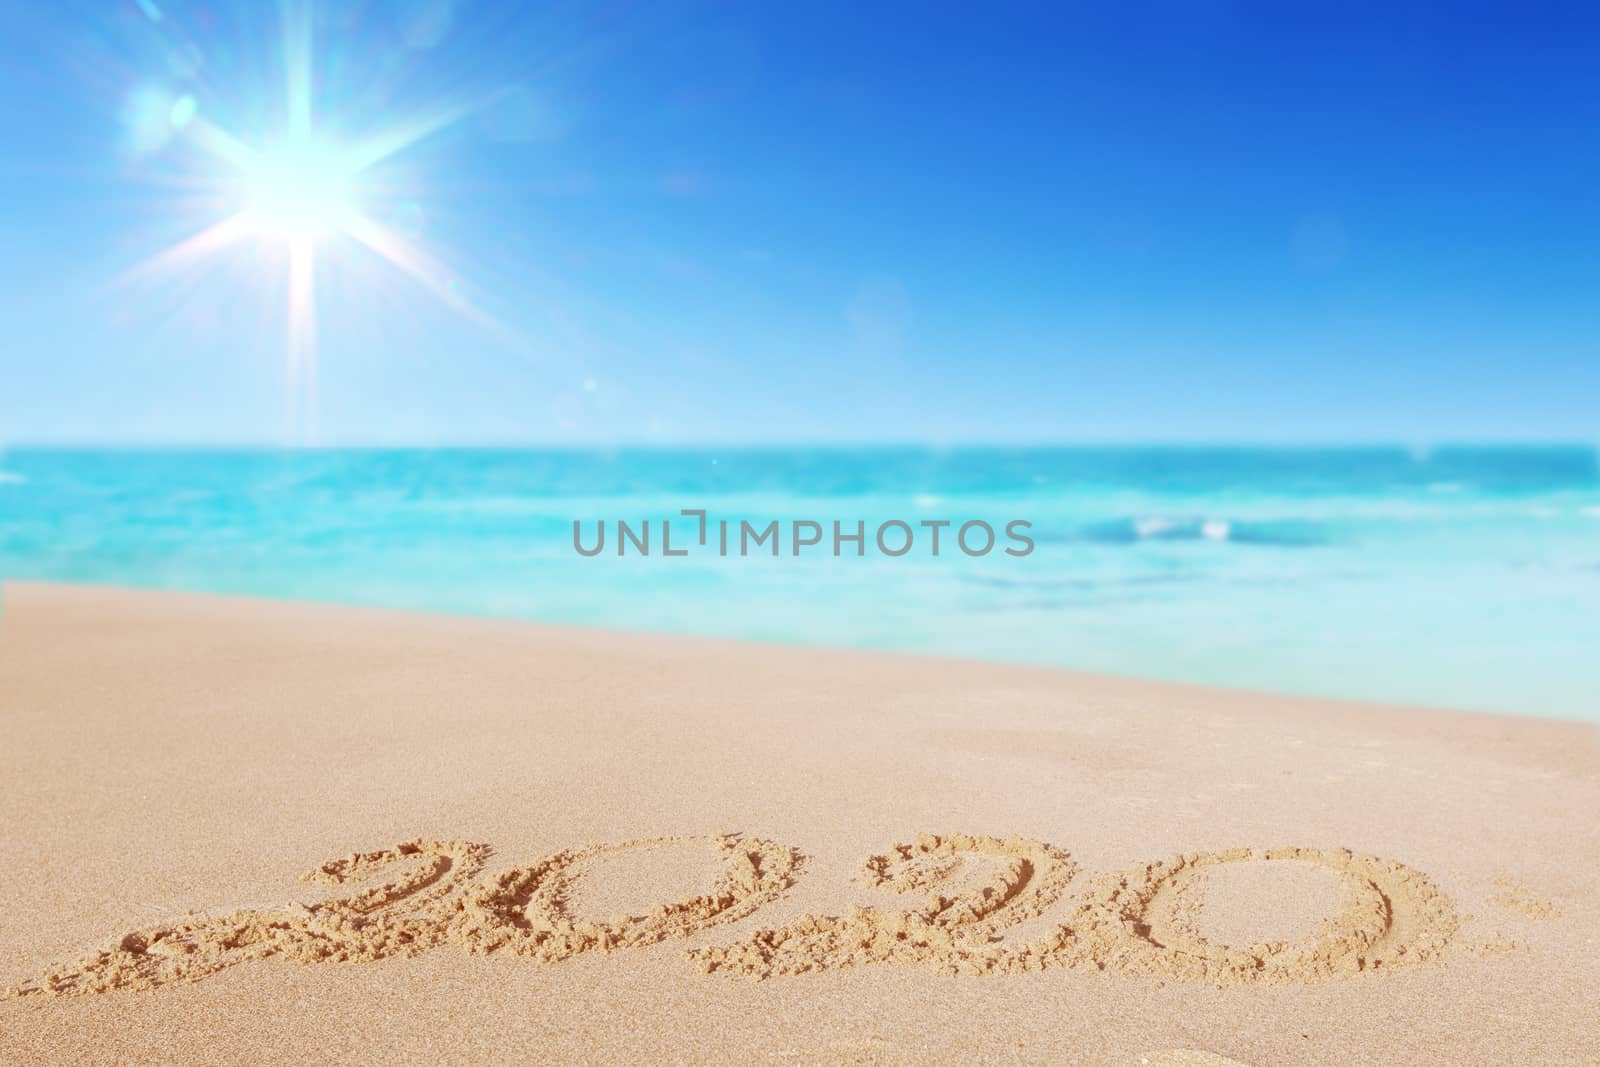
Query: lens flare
x,y
298,191
302,193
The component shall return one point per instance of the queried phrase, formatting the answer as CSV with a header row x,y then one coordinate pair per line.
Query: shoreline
x,y
199,753
1331,704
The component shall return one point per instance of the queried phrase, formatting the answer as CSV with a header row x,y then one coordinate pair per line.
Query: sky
x,y
779,222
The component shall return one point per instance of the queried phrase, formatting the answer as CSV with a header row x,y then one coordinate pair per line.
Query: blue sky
x,y
813,222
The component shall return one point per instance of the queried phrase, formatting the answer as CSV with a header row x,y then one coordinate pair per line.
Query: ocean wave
x,y
1078,584
12,478
1134,529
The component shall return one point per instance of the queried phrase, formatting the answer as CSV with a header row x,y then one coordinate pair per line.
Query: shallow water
x,y
1458,577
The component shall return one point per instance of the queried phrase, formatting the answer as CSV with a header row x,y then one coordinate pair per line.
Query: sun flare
x,y
296,187
299,191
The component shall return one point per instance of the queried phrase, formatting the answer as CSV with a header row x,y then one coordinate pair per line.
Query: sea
x,y
1453,577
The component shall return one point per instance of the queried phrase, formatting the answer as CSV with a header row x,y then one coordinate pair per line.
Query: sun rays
x,y
303,189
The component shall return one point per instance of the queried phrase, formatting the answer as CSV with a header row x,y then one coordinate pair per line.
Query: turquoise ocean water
x,y
1454,577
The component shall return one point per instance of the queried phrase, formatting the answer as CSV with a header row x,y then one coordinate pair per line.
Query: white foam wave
x,y
1152,525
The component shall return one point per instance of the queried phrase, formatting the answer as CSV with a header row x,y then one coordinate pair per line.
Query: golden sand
x,y
1139,922
523,910
401,917
1517,897
603,834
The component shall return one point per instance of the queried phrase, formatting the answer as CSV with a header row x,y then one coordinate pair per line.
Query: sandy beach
x,y
534,844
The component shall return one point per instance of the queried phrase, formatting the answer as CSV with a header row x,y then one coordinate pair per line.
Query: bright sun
x,y
299,191
308,193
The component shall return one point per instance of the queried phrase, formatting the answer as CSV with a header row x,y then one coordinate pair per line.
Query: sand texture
x,y
238,831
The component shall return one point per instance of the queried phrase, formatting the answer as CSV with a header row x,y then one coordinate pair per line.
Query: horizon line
x,y
705,445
